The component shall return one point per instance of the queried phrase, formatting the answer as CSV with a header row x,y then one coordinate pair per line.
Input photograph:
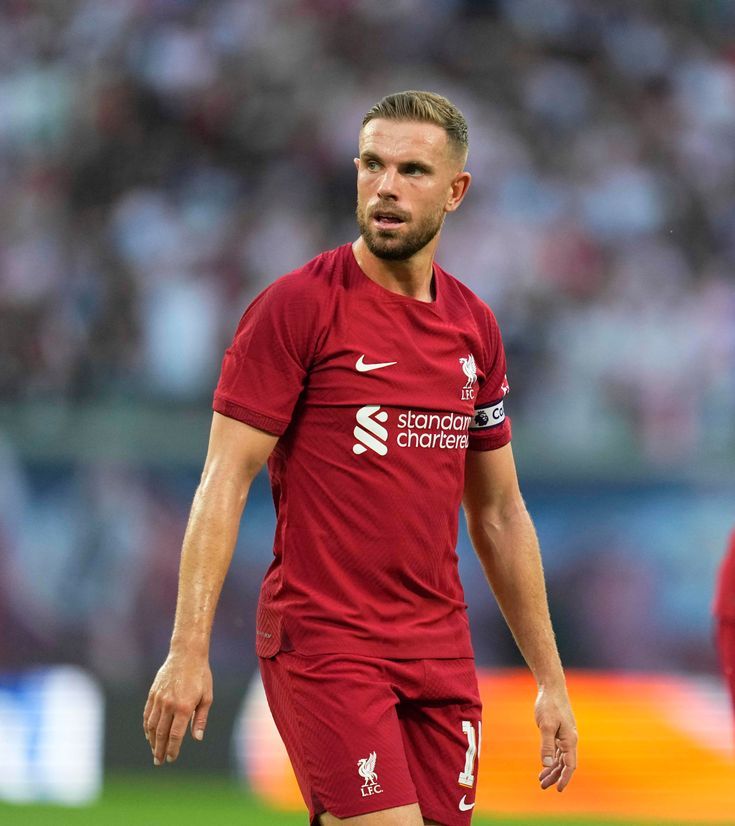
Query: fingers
x,y
147,710
181,694
146,714
175,737
199,721
160,745
164,729
558,731
566,776
550,774
568,759
150,723
165,723
548,744
563,766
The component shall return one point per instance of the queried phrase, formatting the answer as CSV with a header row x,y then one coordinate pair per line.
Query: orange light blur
x,y
651,746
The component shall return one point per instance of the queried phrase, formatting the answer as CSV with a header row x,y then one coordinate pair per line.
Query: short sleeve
x,y
491,427
264,369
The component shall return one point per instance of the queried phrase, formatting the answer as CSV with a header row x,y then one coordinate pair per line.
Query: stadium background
x,y
163,160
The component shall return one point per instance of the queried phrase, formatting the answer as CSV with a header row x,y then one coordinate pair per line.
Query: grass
x,y
194,801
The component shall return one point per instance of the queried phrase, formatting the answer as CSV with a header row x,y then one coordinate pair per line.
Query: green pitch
x,y
184,800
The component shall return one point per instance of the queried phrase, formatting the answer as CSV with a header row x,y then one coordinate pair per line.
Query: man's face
x,y
406,183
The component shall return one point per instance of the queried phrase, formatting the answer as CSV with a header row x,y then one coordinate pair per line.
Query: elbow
x,y
495,515
488,525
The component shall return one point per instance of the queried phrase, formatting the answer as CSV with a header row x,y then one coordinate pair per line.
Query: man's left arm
x,y
505,542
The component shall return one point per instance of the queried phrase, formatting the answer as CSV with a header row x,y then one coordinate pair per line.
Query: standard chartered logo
x,y
368,430
411,430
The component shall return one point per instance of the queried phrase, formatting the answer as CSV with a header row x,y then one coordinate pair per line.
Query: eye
x,y
372,166
414,170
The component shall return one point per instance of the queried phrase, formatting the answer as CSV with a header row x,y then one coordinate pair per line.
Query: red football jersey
x,y
724,605
376,397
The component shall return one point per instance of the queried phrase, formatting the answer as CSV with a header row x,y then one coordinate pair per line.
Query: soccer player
x,y
373,383
724,611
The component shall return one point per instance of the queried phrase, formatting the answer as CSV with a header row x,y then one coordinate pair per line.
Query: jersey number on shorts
x,y
467,777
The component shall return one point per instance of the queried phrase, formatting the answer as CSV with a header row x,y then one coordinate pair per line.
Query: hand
x,y
180,694
558,738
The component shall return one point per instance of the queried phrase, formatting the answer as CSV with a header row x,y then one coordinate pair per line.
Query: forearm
x,y
206,554
506,544
505,541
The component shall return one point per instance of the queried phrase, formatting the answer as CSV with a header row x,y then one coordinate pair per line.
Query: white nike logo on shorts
x,y
361,367
465,807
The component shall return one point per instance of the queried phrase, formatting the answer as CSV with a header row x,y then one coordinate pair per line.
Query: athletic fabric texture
x,y
366,734
376,397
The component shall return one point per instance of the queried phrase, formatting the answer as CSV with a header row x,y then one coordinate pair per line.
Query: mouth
x,y
387,220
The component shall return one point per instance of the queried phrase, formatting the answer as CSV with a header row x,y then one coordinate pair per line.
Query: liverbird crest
x,y
366,768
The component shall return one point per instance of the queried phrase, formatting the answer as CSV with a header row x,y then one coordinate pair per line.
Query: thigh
x,y
337,717
402,816
442,733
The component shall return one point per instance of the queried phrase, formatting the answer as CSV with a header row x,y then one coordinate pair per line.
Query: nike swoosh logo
x,y
361,367
465,807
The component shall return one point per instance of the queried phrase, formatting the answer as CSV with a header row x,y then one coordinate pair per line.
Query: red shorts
x,y
366,734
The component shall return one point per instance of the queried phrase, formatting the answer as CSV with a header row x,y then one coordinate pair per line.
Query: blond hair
x,y
427,107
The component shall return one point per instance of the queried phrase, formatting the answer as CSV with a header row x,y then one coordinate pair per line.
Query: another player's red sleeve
x,y
724,604
491,428
264,369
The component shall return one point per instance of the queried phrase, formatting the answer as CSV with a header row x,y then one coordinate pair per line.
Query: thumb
x,y
199,720
548,745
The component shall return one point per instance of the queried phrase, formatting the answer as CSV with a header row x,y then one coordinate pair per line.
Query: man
x,y
724,611
373,382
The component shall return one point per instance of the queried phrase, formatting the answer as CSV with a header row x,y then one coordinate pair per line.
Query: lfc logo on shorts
x,y
366,768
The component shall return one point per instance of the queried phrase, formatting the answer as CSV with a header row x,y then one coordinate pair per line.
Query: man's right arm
x,y
182,690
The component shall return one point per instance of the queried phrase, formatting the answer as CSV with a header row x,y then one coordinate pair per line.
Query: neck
x,y
412,277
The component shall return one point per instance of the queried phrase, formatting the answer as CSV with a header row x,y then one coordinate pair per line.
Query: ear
x,y
356,161
458,189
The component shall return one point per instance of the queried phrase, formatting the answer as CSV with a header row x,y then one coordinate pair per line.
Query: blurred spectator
x,y
162,161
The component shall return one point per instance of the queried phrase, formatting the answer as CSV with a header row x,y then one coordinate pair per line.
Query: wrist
x,y
189,645
551,682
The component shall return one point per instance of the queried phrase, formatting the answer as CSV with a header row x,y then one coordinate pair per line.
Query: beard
x,y
389,245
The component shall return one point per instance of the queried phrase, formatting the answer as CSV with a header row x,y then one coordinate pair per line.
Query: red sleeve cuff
x,y
491,440
233,410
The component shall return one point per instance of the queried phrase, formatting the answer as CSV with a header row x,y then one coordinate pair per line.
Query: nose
x,y
387,185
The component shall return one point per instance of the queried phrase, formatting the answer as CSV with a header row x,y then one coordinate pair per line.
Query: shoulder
x,y
300,304
306,293
313,280
310,287
461,298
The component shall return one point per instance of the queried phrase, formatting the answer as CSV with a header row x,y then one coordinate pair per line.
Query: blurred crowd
x,y
161,161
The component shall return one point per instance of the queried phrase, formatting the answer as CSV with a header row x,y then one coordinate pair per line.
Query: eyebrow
x,y
367,155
